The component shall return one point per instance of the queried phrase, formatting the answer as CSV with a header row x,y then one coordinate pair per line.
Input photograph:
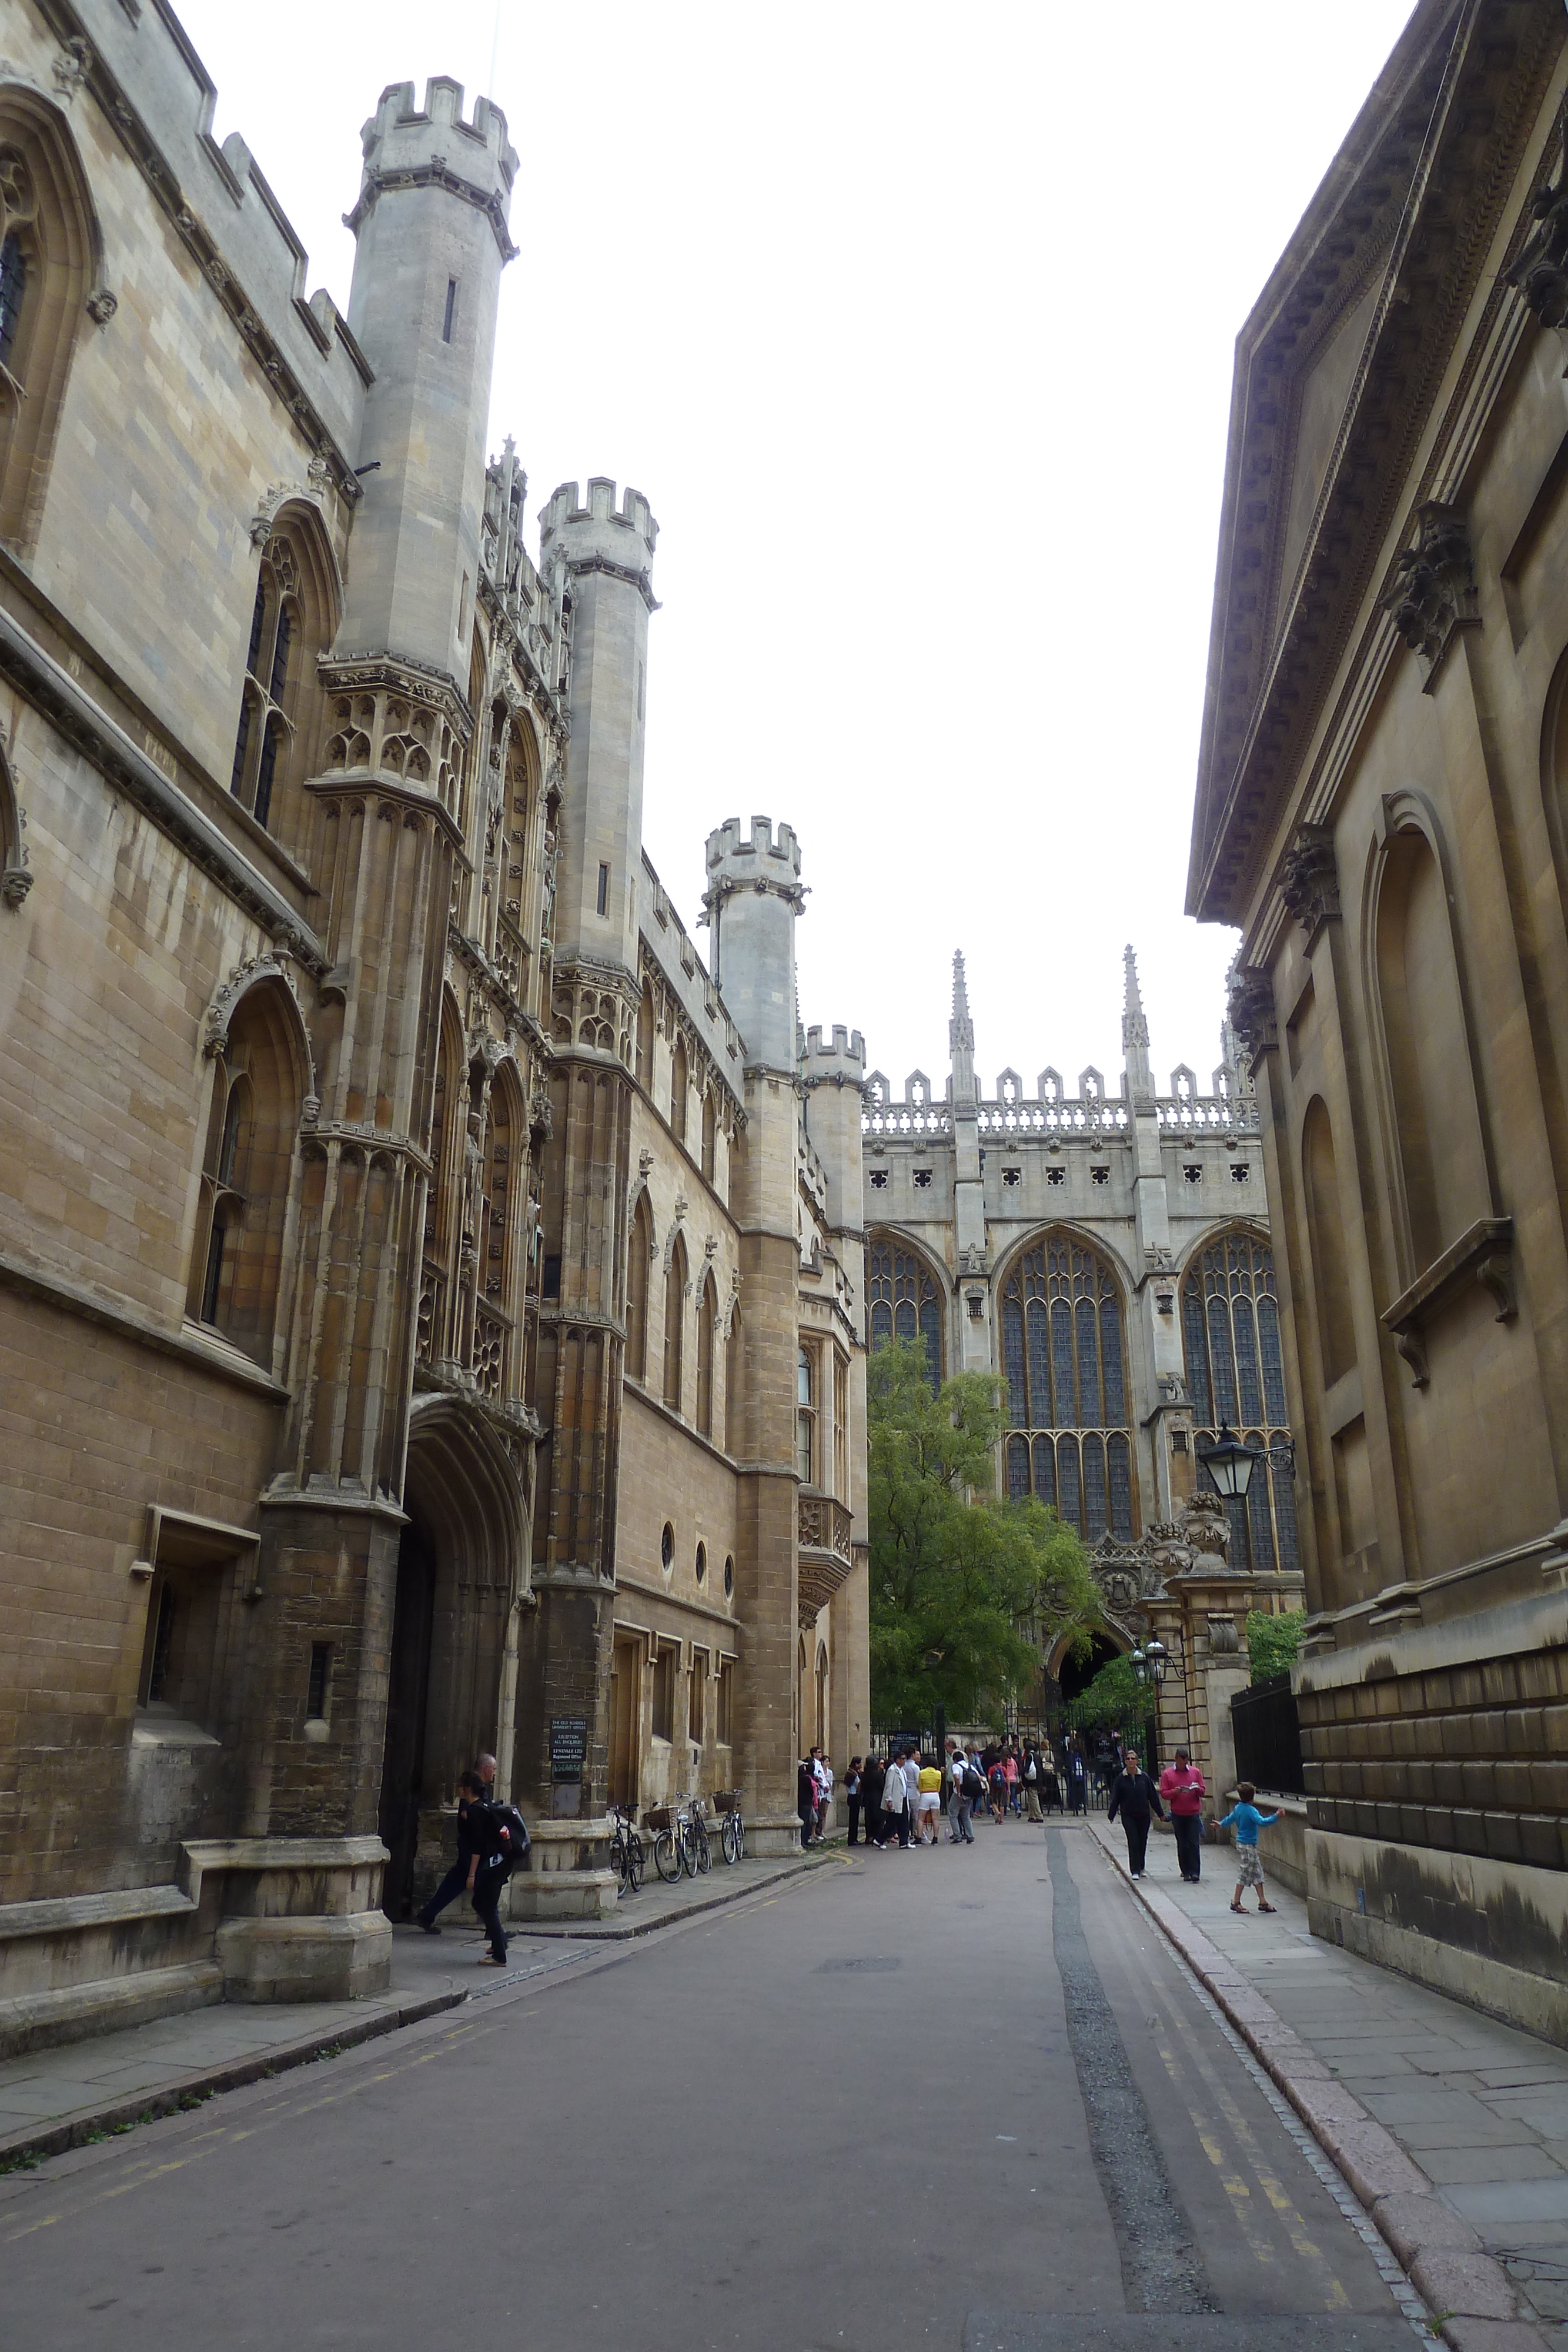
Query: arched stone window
x,y
1325,1229
502,1202
639,1254
49,249
252,1125
680,1088
674,1323
903,1299
1235,1376
292,619
1441,1163
710,1129
707,1327
1064,1363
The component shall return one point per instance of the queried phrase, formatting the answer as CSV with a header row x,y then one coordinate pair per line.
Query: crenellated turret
x,y
431,226
833,1078
601,555
754,894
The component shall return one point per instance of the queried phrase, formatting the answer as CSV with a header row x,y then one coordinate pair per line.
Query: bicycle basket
x,y
723,1800
657,1818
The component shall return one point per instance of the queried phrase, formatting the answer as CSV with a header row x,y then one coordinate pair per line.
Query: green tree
x,y
1272,1642
1115,1696
965,1588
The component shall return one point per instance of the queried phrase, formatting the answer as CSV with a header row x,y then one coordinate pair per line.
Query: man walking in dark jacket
x,y
461,1875
1134,1796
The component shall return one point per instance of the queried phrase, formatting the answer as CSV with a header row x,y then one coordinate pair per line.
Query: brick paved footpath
x,y
1451,2127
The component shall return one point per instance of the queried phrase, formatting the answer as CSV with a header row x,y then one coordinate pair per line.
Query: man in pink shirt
x,y
1182,1788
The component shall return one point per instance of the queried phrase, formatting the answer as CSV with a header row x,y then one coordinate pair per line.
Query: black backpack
x,y
504,1837
974,1787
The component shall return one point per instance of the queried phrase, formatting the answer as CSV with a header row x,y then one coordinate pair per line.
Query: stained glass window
x,y
1064,1364
13,287
905,1304
1236,1374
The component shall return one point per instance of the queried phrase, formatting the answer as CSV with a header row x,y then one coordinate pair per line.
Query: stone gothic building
x,y
1107,1255
1382,807
414,1263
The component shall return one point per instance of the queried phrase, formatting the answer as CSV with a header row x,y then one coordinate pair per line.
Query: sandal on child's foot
x,y
1237,1908
1270,1907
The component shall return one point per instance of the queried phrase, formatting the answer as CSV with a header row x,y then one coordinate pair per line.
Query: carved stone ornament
x,y
1224,1640
1432,593
1205,1531
1309,878
1251,1010
101,307
272,965
16,874
1540,272
73,68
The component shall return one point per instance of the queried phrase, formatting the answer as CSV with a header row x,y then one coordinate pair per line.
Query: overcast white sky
x,y
915,325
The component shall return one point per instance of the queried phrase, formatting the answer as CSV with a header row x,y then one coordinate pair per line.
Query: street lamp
x,y
1230,1463
1140,1665
1156,1659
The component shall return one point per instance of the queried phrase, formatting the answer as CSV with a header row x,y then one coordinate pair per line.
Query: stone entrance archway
x,y
463,1569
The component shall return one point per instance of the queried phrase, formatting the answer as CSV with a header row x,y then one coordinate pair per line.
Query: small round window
x,y
701,1562
729,1579
667,1544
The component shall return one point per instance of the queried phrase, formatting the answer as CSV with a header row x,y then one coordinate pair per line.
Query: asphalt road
x,y
965,2099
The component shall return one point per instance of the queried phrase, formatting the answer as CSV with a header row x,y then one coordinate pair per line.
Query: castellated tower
x,y
392,814
753,897
431,226
607,555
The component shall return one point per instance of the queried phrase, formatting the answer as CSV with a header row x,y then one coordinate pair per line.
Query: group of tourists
x,y
1182,1788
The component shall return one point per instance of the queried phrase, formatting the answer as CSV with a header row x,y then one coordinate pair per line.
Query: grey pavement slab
x,y
1480,2107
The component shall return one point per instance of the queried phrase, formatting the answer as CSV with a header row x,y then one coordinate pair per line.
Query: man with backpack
x,y
960,1830
501,1840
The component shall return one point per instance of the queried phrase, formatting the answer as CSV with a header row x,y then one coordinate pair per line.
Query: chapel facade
x,y
412,1256
1106,1254
1382,807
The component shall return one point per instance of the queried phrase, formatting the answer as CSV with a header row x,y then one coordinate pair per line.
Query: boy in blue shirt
x,y
1246,1822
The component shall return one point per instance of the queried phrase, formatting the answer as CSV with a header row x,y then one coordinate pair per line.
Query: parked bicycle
x,y
679,1839
732,1829
625,1852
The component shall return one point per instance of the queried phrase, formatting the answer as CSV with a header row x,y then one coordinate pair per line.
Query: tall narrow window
x,y
710,1129
447,324
12,292
1062,1363
733,1364
246,1169
266,726
840,1428
680,1088
645,1038
904,1301
707,1325
805,1415
639,1252
603,904
675,1318
1236,1373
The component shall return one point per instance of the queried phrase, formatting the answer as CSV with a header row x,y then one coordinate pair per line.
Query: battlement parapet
x,y
600,536
753,862
844,1059
401,138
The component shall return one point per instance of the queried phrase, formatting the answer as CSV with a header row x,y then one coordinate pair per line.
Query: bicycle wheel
x,y
666,1857
732,1837
688,1850
703,1851
618,1856
740,1837
633,1862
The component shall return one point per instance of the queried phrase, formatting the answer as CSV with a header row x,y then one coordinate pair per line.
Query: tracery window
x,y
246,1167
50,251
1063,1360
639,1254
1236,1375
708,1326
675,1313
265,726
805,1415
904,1300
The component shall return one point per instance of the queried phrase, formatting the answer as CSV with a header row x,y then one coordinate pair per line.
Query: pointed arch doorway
x,y
463,1563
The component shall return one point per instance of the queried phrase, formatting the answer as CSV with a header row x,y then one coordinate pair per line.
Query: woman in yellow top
x,y
928,1805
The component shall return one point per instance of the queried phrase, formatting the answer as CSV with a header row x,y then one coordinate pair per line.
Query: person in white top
x,y
896,1805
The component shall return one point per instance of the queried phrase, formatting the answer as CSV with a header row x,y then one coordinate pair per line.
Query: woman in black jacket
x,y
871,1779
1134,1796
